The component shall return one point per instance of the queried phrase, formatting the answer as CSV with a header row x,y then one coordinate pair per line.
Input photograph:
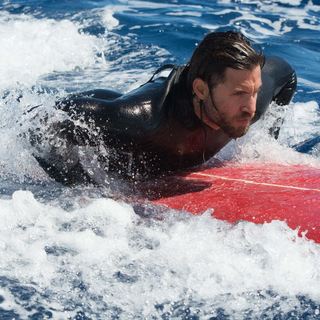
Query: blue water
x,y
78,254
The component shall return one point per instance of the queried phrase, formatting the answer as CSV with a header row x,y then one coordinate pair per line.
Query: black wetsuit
x,y
145,132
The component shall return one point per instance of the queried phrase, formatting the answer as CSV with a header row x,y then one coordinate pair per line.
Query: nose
x,y
250,105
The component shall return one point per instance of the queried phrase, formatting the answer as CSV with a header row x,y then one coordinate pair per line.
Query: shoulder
x,y
277,68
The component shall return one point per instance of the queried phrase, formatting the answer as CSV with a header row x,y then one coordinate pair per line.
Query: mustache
x,y
245,115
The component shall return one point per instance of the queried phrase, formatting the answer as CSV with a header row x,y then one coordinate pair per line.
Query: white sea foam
x,y
108,16
309,83
16,160
27,53
185,13
99,255
145,262
148,4
60,56
264,27
300,123
291,2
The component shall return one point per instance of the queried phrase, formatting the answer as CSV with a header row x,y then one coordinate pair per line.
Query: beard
x,y
230,127
235,127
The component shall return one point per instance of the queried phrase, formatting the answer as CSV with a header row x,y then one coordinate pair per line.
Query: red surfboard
x,y
257,193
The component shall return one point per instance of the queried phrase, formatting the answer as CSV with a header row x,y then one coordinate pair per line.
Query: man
x,y
170,123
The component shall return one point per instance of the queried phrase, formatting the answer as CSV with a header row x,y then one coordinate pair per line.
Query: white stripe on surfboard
x,y
254,182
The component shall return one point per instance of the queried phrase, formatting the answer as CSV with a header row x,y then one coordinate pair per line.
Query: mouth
x,y
245,120
245,117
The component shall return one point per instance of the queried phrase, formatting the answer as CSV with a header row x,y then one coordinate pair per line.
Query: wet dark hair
x,y
218,51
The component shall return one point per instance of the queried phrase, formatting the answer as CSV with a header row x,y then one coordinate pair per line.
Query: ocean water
x,y
77,253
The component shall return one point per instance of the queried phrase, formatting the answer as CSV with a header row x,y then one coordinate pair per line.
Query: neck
x,y
200,111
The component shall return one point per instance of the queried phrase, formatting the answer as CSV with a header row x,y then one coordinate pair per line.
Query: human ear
x,y
200,89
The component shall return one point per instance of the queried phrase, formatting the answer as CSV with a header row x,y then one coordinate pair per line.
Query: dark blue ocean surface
x,y
286,28
78,254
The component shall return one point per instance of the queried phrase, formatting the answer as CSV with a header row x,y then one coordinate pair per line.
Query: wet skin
x,y
231,104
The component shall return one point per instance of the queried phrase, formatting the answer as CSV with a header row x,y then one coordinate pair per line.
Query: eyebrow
x,y
247,88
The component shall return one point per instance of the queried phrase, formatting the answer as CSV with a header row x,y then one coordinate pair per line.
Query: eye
x,y
240,93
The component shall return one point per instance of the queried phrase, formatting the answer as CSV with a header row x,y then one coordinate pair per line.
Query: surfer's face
x,y
231,104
